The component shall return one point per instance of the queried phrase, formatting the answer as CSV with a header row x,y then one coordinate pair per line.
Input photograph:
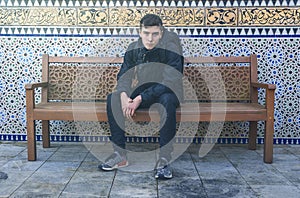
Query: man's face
x,y
150,36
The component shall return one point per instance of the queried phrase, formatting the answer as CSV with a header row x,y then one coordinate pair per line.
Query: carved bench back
x,y
91,78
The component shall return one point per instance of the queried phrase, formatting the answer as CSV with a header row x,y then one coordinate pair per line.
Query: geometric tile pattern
x,y
30,28
208,32
278,63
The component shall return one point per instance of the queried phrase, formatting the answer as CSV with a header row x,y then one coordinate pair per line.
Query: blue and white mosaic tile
x,y
276,65
21,49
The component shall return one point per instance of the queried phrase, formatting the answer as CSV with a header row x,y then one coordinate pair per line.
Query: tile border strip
x,y
200,3
197,140
133,32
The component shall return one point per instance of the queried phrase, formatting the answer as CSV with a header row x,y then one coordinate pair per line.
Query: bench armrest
x,y
263,85
30,95
36,85
269,96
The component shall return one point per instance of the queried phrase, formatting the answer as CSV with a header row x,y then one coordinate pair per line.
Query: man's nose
x,y
150,37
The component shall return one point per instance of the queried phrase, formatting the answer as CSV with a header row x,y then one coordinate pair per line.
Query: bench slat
x,y
221,59
113,60
187,112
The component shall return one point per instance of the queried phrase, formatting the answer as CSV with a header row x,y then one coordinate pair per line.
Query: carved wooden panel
x,y
218,82
95,82
71,82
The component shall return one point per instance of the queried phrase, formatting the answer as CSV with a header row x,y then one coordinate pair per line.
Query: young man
x,y
151,73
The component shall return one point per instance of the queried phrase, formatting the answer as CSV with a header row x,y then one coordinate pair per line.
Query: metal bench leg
x,y
252,135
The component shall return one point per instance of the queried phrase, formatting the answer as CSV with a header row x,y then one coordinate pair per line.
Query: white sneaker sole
x,y
115,167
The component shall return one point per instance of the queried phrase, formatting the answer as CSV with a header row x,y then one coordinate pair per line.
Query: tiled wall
x,y
30,28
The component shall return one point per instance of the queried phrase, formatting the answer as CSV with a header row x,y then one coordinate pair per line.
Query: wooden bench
x,y
61,74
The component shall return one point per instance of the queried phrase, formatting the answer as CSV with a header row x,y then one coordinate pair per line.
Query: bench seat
x,y
96,111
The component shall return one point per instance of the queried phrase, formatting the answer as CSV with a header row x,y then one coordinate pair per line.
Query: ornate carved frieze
x,y
221,17
171,16
129,16
275,16
93,17
38,16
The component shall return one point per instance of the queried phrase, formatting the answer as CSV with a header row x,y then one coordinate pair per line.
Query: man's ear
x,y
162,32
161,35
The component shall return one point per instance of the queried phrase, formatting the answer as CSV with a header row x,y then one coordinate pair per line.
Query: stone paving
x,y
70,170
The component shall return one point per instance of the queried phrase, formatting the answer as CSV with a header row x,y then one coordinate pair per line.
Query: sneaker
x,y
163,170
113,162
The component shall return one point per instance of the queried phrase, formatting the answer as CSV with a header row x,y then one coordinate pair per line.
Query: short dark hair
x,y
151,20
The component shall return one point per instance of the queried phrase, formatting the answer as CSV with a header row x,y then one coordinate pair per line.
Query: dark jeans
x,y
167,114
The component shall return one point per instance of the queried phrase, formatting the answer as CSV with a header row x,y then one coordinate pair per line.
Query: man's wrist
x,y
123,93
138,98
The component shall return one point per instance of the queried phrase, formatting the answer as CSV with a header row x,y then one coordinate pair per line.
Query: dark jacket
x,y
158,70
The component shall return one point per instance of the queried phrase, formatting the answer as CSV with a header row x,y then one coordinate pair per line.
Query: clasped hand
x,y
129,105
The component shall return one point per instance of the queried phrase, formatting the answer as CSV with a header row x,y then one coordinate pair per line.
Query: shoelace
x,y
161,163
113,159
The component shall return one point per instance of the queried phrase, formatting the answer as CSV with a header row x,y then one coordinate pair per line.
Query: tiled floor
x,y
70,170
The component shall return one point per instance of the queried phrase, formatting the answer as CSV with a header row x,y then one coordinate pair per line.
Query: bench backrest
x,y
92,78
